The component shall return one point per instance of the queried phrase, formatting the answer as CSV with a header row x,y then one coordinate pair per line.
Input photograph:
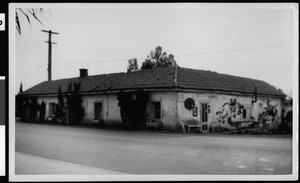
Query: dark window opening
x,y
52,109
98,110
157,110
244,113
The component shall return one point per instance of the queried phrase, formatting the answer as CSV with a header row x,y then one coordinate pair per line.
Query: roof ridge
x,y
224,74
115,73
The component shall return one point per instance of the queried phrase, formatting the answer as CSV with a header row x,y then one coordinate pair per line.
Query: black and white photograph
x,y
153,91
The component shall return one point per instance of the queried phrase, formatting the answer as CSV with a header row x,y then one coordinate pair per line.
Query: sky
x,y
249,40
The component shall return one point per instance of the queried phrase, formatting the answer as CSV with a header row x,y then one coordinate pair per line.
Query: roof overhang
x,y
160,90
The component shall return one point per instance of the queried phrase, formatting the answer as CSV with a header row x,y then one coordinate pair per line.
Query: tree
x,y
21,88
30,109
42,111
19,101
74,103
29,13
132,65
269,114
60,106
158,58
148,63
133,106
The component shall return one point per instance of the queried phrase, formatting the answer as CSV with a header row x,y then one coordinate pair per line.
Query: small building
x,y
178,97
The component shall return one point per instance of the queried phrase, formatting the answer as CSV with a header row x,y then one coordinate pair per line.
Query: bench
x,y
153,124
192,126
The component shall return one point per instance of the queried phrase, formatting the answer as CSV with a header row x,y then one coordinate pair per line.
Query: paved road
x,y
155,152
28,164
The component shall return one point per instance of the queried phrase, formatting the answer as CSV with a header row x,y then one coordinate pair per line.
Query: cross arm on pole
x,y
51,42
49,31
49,51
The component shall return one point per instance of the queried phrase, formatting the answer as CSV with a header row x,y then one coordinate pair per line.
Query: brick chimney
x,y
83,73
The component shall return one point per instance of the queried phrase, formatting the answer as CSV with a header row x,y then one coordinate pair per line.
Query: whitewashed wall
x,y
111,110
47,100
216,101
168,108
173,111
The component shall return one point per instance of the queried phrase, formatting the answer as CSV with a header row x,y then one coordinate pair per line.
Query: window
x,y
52,109
98,111
157,110
246,113
204,112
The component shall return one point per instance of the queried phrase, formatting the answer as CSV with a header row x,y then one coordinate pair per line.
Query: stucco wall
x,y
47,100
173,111
111,111
168,108
216,101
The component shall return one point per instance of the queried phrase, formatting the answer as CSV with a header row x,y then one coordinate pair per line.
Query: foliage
x,y
124,100
29,13
158,58
132,108
269,114
132,65
21,88
26,108
289,122
74,103
220,127
19,104
60,106
34,108
42,112
30,109
19,101
229,110
148,63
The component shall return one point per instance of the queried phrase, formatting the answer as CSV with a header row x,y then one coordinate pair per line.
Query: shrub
x,y
74,103
132,108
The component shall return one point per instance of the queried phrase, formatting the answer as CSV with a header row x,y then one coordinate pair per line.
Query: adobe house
x,y
178,97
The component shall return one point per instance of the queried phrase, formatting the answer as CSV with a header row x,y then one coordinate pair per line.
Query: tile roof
x,y
159,78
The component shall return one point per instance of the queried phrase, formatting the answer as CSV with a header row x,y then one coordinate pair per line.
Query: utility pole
x,y
50,52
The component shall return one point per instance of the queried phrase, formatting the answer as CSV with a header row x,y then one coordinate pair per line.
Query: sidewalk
x,y
28,164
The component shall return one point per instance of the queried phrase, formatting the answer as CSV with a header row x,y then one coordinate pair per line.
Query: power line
x,y
193,54
185,55
236,50
30,70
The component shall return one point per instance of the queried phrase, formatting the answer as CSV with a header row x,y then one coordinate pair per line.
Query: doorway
x,y
204,117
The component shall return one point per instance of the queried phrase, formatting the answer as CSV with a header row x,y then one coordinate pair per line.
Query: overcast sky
x,y
253,40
